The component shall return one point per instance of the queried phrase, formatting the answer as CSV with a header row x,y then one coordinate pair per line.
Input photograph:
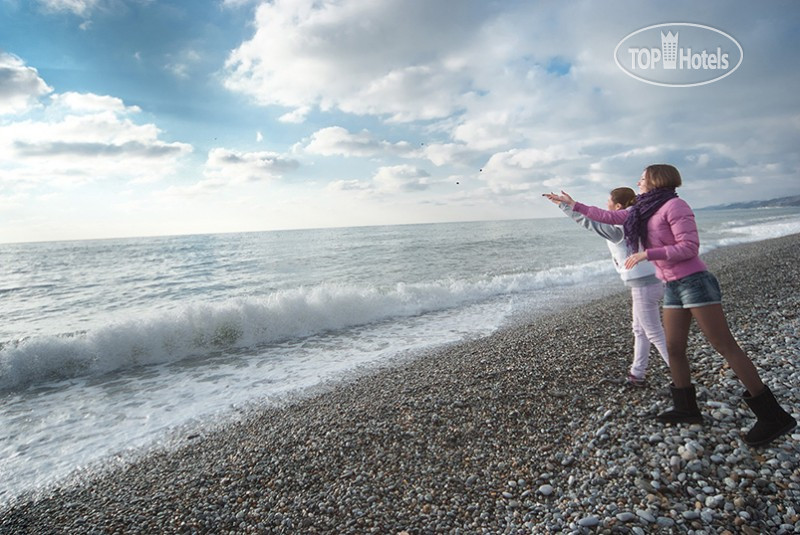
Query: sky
x,y
162,117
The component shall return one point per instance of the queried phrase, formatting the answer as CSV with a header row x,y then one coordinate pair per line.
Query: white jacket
x,y
642,274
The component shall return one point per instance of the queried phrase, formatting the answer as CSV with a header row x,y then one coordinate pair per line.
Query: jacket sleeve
x,y
681,222
594,213
612,233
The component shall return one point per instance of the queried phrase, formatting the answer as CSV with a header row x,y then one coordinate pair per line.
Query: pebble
x,y
664,522
646,516
589,521
494,435
546,490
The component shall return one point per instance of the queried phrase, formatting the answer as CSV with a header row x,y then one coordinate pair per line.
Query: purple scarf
x,y
635,225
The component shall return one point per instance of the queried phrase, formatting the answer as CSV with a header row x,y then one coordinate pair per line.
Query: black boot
x,y
685,409
772,421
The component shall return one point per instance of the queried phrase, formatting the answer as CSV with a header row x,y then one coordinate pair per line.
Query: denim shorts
x,y
695,290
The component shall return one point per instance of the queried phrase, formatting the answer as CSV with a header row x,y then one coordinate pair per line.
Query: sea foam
x,y
199,329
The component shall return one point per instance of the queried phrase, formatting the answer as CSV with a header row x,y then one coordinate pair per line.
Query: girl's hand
x,y
634,259
564,197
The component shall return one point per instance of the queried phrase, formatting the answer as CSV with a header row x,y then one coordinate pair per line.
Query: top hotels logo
x,y
678,54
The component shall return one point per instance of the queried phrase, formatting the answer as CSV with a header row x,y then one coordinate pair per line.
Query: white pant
x,y
647,327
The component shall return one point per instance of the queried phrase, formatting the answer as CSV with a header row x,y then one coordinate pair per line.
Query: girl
x,y
665,225
646,289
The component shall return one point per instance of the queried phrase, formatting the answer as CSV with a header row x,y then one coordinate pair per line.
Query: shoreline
x,y
528,429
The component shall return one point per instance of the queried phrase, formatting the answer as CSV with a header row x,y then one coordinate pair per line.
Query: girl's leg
x,y
712,322
641,345
650,318
676,329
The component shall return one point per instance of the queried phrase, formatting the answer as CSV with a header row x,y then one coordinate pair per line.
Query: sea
x,y
112,348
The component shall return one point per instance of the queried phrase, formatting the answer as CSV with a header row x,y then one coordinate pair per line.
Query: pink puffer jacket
x,y
672,241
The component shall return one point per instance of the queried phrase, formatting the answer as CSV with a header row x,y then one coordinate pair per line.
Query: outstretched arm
x,y
612,217
608,231
558,199
612,233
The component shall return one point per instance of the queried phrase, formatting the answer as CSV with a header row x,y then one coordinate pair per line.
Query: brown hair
x,y
624,196
663,175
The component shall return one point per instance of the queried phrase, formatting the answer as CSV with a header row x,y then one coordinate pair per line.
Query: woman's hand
x,y
634,259
564,197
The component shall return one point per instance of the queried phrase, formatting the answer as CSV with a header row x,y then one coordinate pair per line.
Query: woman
x,y
646,289
665,225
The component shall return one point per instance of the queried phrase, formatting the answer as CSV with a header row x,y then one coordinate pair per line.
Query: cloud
x,y
335,140
390,179
338,141
179,70
508,84
526,160
20,85
96,149
237,3
479,78
226,166
295,116
79,138
82,8
401,179
226,171
441,154
391,58
416,96
89,102
522,169
348,185
86,148
705,167
182,63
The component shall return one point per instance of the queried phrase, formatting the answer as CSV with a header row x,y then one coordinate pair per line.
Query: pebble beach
x,y
529,430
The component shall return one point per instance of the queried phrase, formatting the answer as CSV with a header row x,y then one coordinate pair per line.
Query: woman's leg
x,y
650,318
676,329
772,420
641,345
684,398
712,322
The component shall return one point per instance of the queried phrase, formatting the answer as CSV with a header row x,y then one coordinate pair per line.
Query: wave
x,y
758,230
26,288
203,329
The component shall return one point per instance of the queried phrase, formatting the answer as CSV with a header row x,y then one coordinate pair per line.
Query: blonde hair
x,y
662,175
